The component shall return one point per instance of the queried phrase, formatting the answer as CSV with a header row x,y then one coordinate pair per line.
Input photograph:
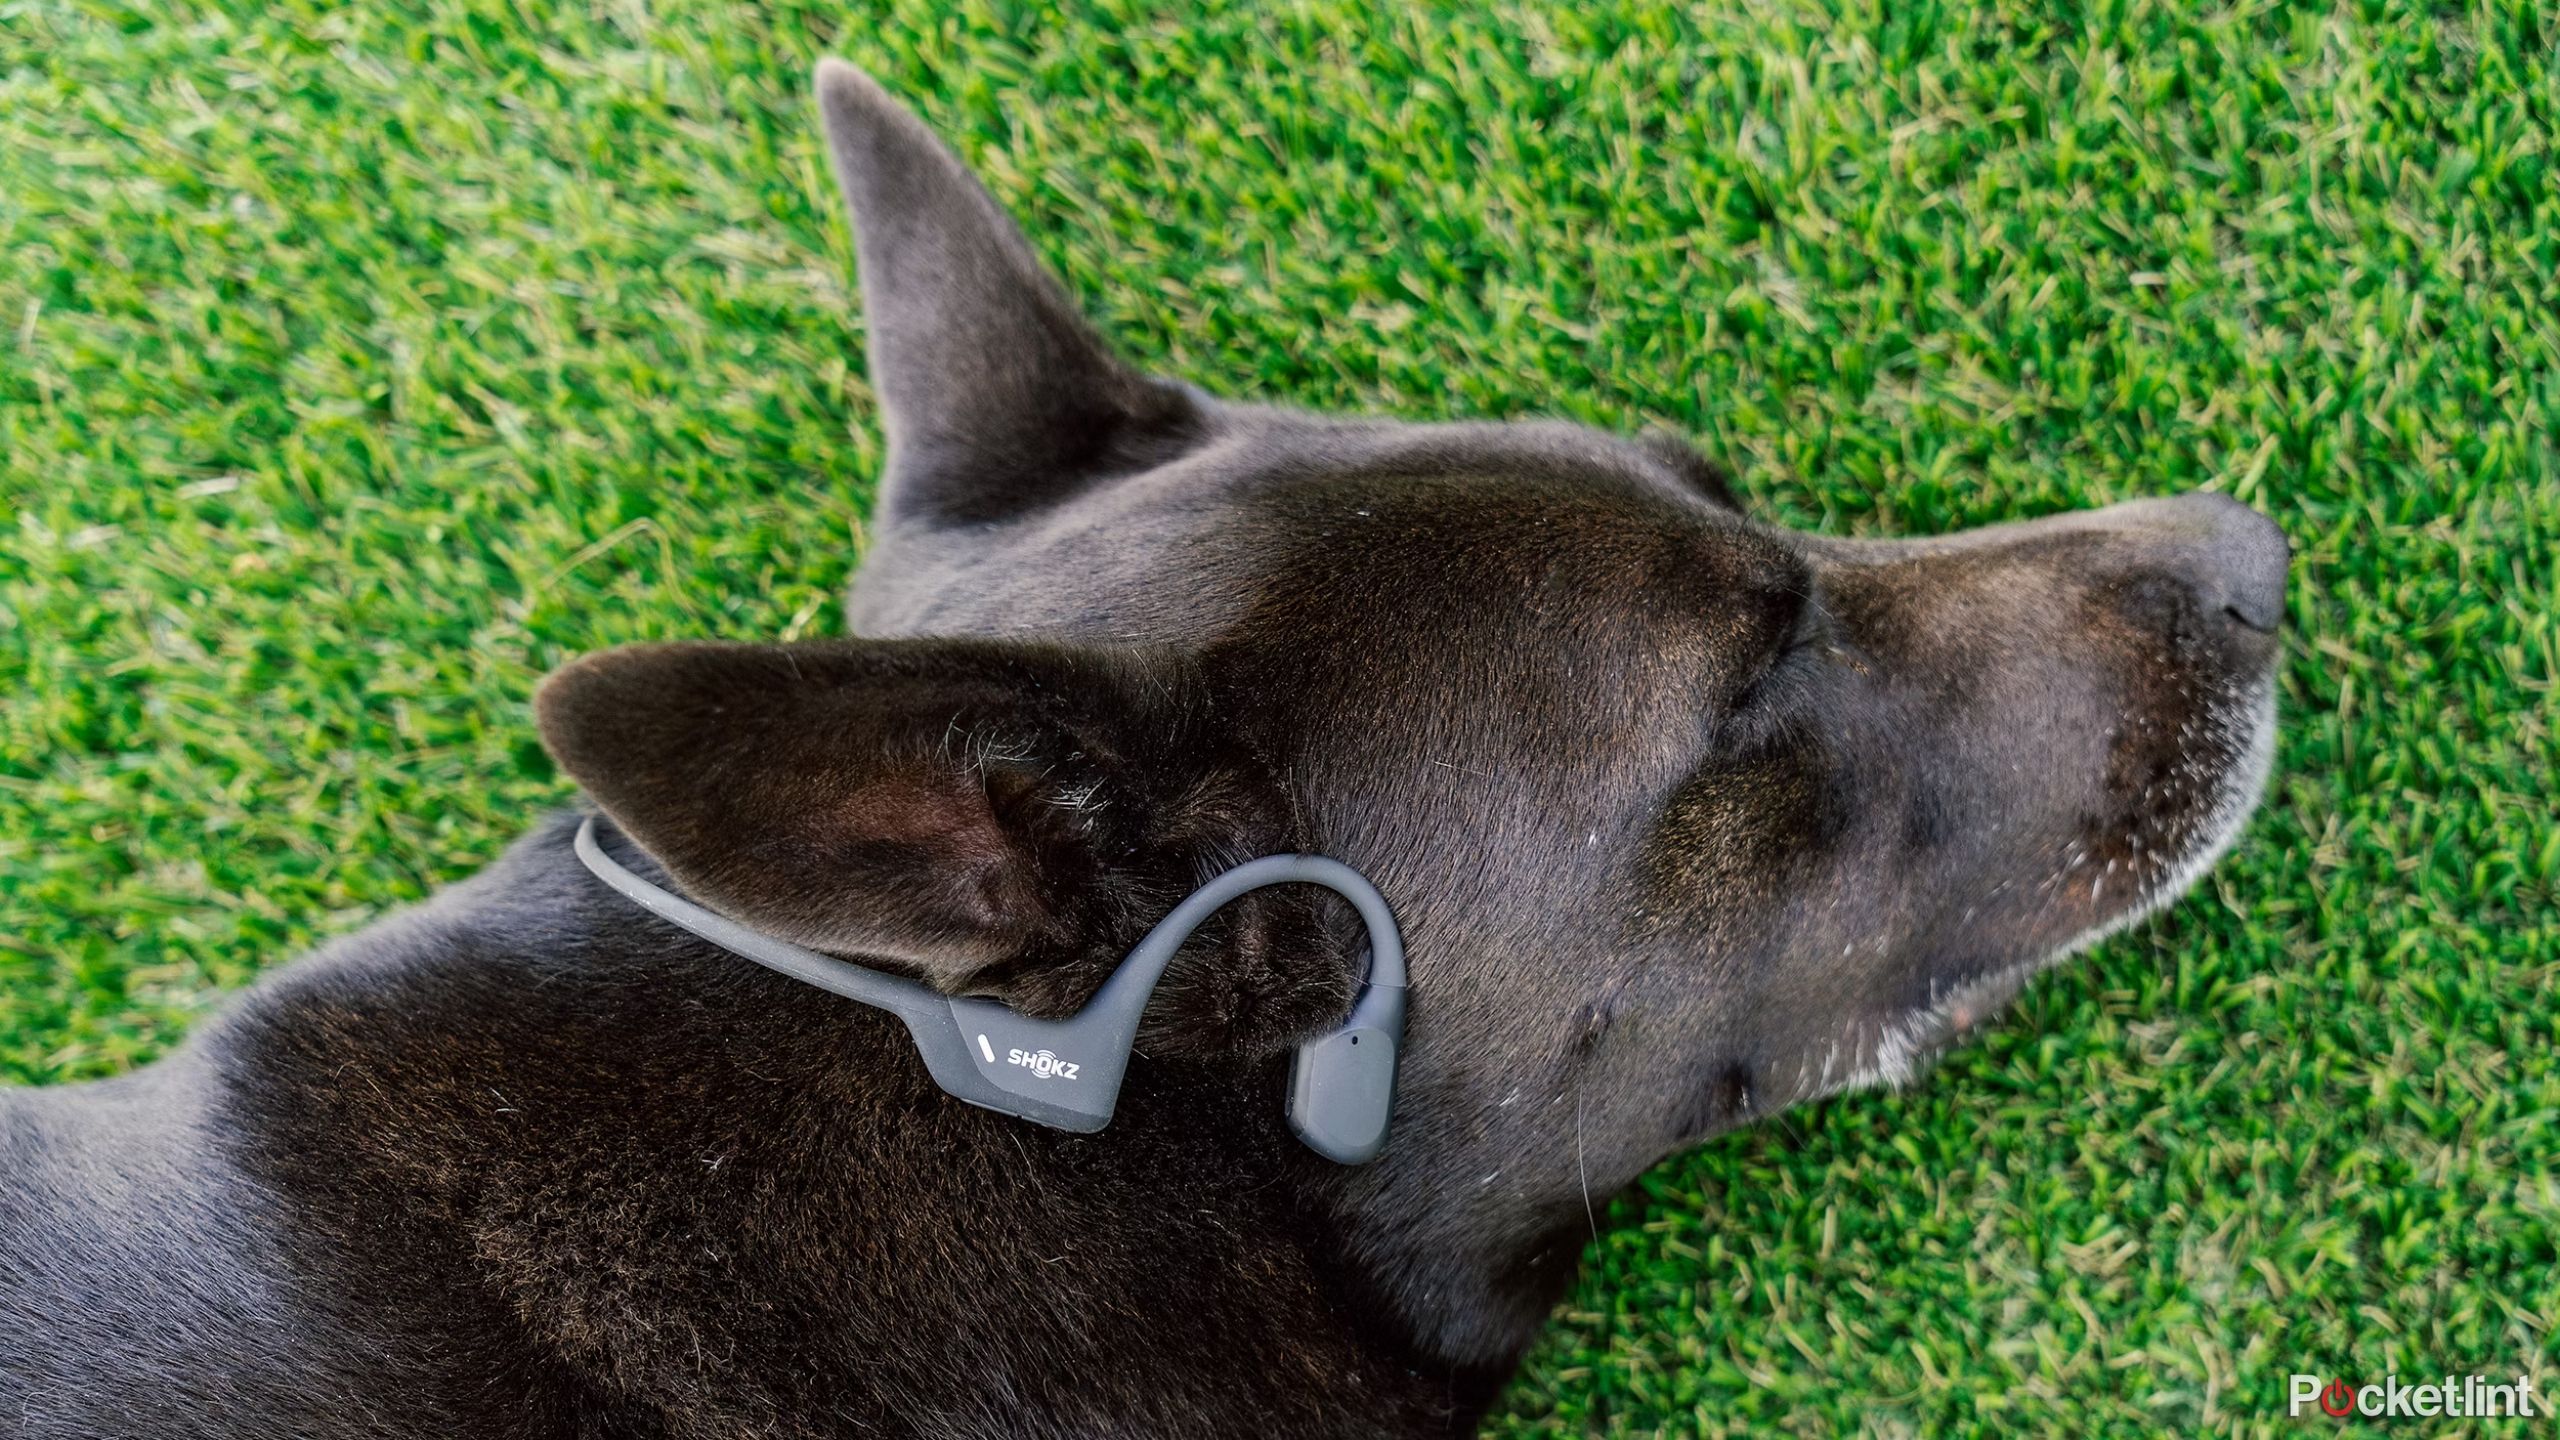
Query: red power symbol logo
x,y
2339,1399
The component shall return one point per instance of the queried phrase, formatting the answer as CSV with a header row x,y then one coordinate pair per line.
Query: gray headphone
x,y
1066,1073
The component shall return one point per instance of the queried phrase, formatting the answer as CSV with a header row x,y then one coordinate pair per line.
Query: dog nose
x,y
2242,560
2234,557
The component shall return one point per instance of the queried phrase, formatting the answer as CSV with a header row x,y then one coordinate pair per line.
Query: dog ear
x,y
1004,818
996,395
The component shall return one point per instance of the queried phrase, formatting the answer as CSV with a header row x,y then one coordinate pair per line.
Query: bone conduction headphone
x,y
1066,1073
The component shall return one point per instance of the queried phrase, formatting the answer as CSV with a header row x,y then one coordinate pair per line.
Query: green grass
x,y
357,365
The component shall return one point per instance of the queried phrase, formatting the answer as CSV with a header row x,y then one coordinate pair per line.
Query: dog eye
x,y
1813,629
1807,636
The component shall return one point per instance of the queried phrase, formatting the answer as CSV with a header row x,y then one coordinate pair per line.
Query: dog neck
x,y
639,1150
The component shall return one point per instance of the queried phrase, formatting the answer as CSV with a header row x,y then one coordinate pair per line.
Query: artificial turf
x,y
359,364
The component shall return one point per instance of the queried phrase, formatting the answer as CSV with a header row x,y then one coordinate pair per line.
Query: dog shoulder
x,y
147,1227
132,1246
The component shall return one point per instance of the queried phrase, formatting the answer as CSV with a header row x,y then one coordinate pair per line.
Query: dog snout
x,y
2202,555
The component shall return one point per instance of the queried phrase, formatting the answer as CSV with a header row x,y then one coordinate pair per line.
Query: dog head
x,y
1688,818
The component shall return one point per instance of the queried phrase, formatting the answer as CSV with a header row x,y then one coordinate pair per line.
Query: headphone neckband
x,y
1066,1073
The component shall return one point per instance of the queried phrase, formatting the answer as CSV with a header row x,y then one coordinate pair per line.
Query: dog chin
x,y
2250,718
1895,1052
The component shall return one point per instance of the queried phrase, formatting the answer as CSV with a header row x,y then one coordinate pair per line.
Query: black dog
x,y
1687,819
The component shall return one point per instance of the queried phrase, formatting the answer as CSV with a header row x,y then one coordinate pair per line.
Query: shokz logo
x,y
1039,1062
1042,1064
2460,1396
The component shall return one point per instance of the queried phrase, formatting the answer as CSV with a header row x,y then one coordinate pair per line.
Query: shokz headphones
x,y
1066,1073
